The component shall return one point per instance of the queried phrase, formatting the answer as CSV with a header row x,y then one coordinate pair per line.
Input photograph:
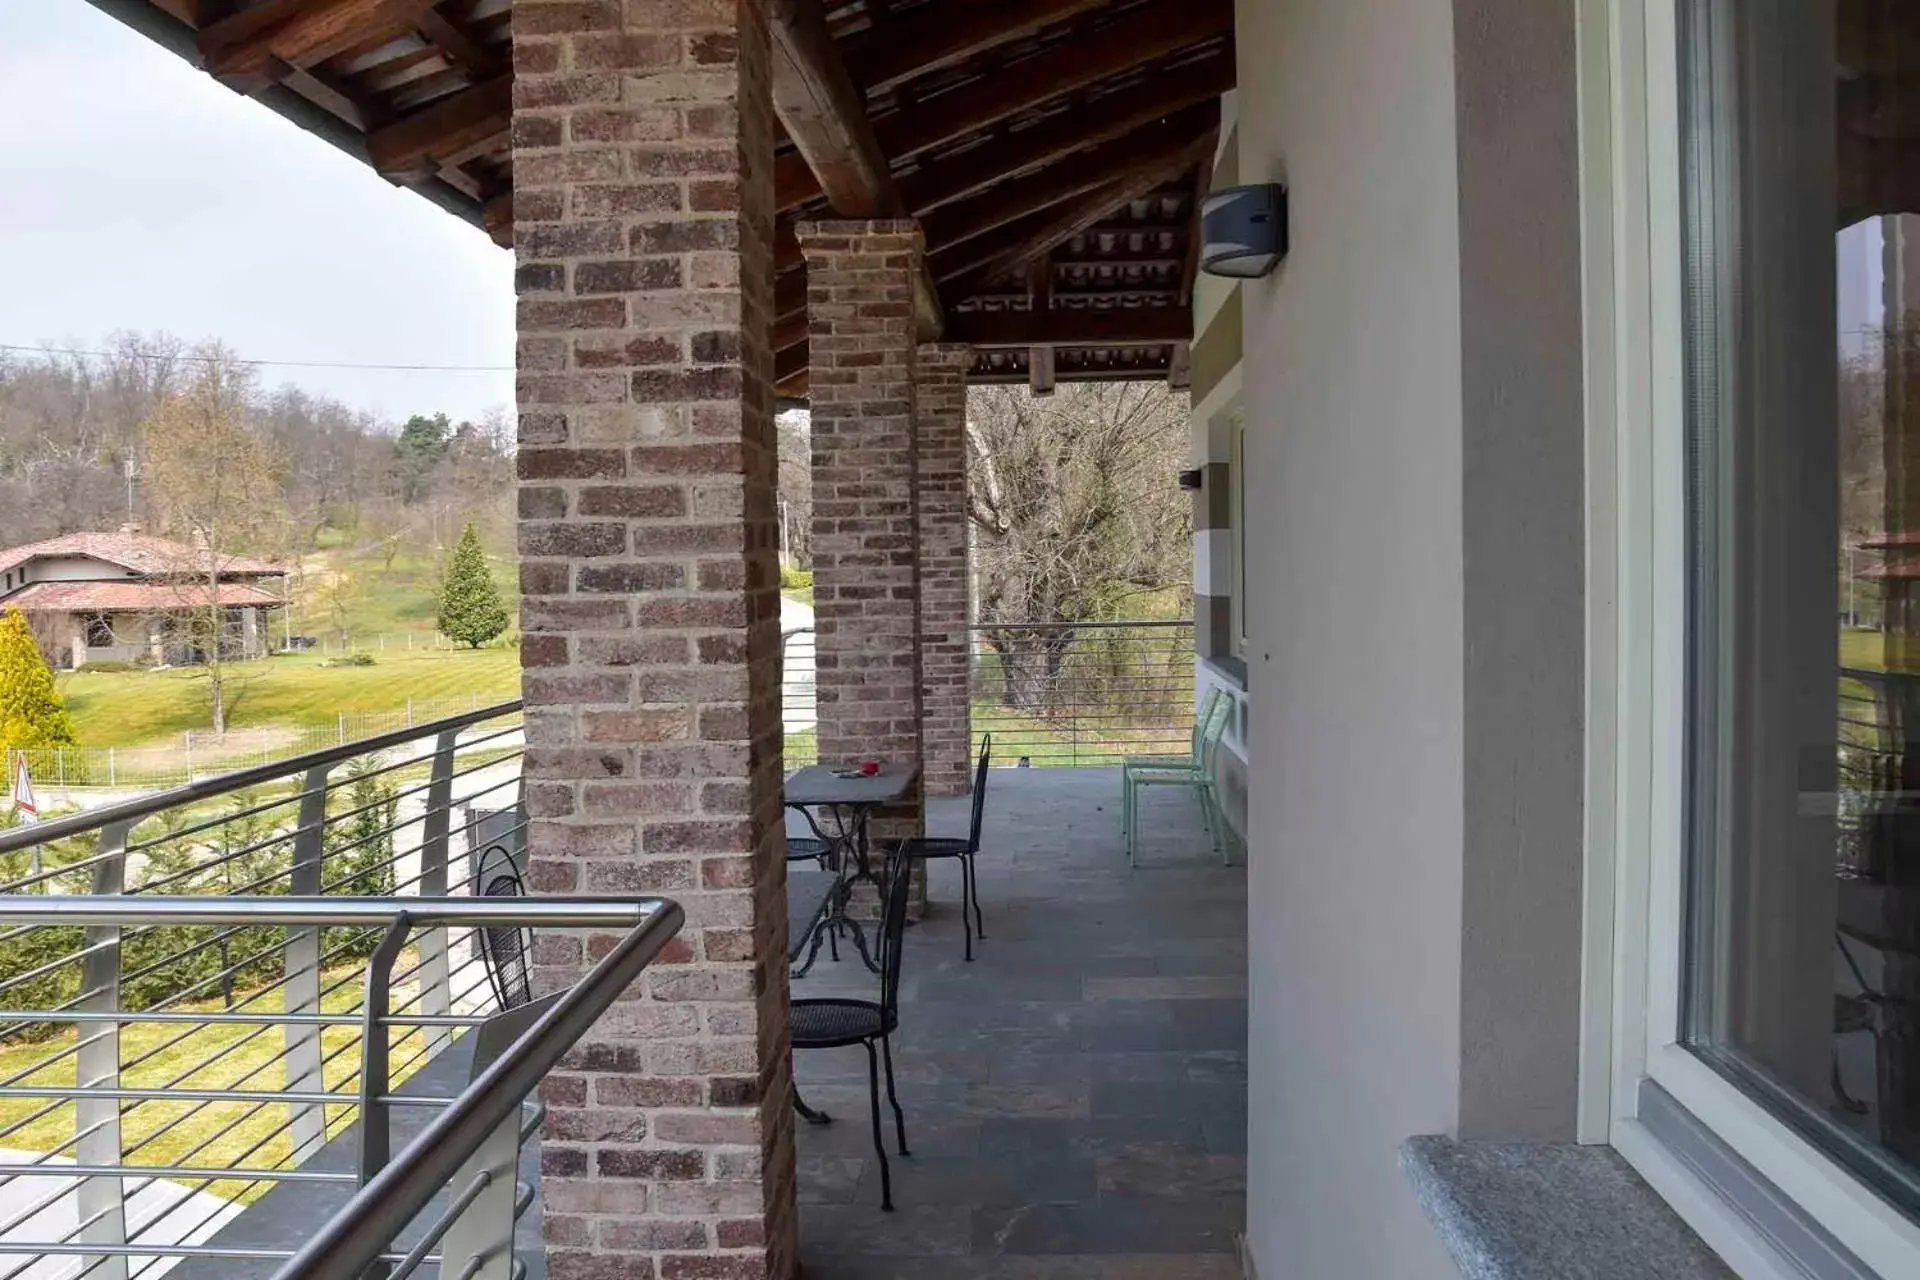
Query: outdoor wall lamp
x,y
1190,479
1243,231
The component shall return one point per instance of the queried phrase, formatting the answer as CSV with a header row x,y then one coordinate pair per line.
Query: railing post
x,y
436,976
483,1232
306,1121
101,1201
376,1145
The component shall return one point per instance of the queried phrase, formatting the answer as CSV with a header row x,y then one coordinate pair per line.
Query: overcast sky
x,y
138,193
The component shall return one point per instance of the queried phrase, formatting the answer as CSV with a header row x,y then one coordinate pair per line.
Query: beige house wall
x,y
1411,392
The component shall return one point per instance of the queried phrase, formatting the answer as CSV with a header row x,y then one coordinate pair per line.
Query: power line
x,y
276,364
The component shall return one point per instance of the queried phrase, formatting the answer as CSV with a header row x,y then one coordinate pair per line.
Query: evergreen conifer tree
x,y
31,712
471,611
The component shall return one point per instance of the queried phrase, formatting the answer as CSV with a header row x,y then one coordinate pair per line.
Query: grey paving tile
x,y
1075,1097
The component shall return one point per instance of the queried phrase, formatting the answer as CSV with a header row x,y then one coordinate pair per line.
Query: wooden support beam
x,y
1040,370
412,147
1114,327
1152,148
457,44
1113,116
243,50
1143,36
1076,216
941,36
825,115
826,118
1180,366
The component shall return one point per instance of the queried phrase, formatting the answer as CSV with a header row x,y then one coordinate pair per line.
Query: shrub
x,y
31,712
110,666
355,659
792,579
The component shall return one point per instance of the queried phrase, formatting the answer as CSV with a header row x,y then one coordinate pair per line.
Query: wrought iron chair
x,y
1200,774
929,847
836,1023
504,948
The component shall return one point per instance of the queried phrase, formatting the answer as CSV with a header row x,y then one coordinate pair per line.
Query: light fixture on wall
x,y
1190,479
1243,231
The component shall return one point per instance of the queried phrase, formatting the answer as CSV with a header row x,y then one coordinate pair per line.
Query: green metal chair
x,y
1197,772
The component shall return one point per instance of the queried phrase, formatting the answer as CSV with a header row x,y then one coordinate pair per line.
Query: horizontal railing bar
x,y
349,1240
164,1171
555,913
210,788
1140,624
244,1019
228,1253
215,1095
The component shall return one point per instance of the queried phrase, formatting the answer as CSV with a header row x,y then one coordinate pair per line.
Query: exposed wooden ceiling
x,y
1052,149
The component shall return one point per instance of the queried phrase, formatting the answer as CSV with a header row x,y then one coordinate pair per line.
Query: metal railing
x,y
203,755
1084,693
204,990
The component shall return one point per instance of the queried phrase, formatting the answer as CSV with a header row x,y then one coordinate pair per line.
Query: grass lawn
x,y
377,595
129,708
203,1134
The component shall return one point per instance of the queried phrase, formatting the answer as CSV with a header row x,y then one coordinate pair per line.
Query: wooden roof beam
x,y
1153,147
412,147
938,37
1112,116
826,118
1145,35
246,50
1113,327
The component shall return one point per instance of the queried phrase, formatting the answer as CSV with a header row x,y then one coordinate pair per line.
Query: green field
x,y
116,709
366,594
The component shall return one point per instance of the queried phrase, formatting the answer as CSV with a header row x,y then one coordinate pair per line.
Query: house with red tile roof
x,y
132,597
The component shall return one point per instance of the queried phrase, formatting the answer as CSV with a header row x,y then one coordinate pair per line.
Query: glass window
x,y
1800,218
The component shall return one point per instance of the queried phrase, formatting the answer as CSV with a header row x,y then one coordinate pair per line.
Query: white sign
x,y
23,801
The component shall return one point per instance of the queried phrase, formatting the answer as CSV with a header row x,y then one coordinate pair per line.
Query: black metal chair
x,y
504,948
836,1023
930,847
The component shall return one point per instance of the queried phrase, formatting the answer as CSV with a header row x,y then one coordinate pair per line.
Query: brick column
x,y
866,587
643,150
940,408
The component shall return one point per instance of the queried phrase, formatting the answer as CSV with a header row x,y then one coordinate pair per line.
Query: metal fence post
x,y
483,1232
101,1201
306,1121
436,975
112,776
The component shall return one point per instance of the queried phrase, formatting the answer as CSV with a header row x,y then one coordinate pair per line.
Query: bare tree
x,y
1078,515
216,486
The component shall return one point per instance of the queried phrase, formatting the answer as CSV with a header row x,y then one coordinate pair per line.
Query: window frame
x,y
1238,643
1633,960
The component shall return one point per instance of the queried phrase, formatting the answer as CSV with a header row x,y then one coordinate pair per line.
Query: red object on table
x,y
869,767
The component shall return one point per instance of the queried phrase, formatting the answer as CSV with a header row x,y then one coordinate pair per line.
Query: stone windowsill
x,y
1534,1211
1231,670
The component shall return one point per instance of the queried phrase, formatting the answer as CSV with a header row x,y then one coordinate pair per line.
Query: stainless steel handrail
x,y
141,807
364,1231
1138,624
552,913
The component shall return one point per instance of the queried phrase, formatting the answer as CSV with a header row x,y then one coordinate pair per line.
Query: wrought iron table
x,y
849,799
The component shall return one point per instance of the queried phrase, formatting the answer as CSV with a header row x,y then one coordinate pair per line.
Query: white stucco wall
x,y
74,569
1352,386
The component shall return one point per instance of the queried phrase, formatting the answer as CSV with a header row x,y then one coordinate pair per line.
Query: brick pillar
x,y
946,725
866,588
643,146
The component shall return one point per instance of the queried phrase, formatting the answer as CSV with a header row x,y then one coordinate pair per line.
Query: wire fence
x,y
203,754
1090,693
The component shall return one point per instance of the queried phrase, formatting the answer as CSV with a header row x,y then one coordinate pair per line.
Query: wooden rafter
x,y
1082,327
826,118
414,146
1153,147
1040,301
1143,36
1180,363
1075,217
824,114
938,37
1113,116
248,50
